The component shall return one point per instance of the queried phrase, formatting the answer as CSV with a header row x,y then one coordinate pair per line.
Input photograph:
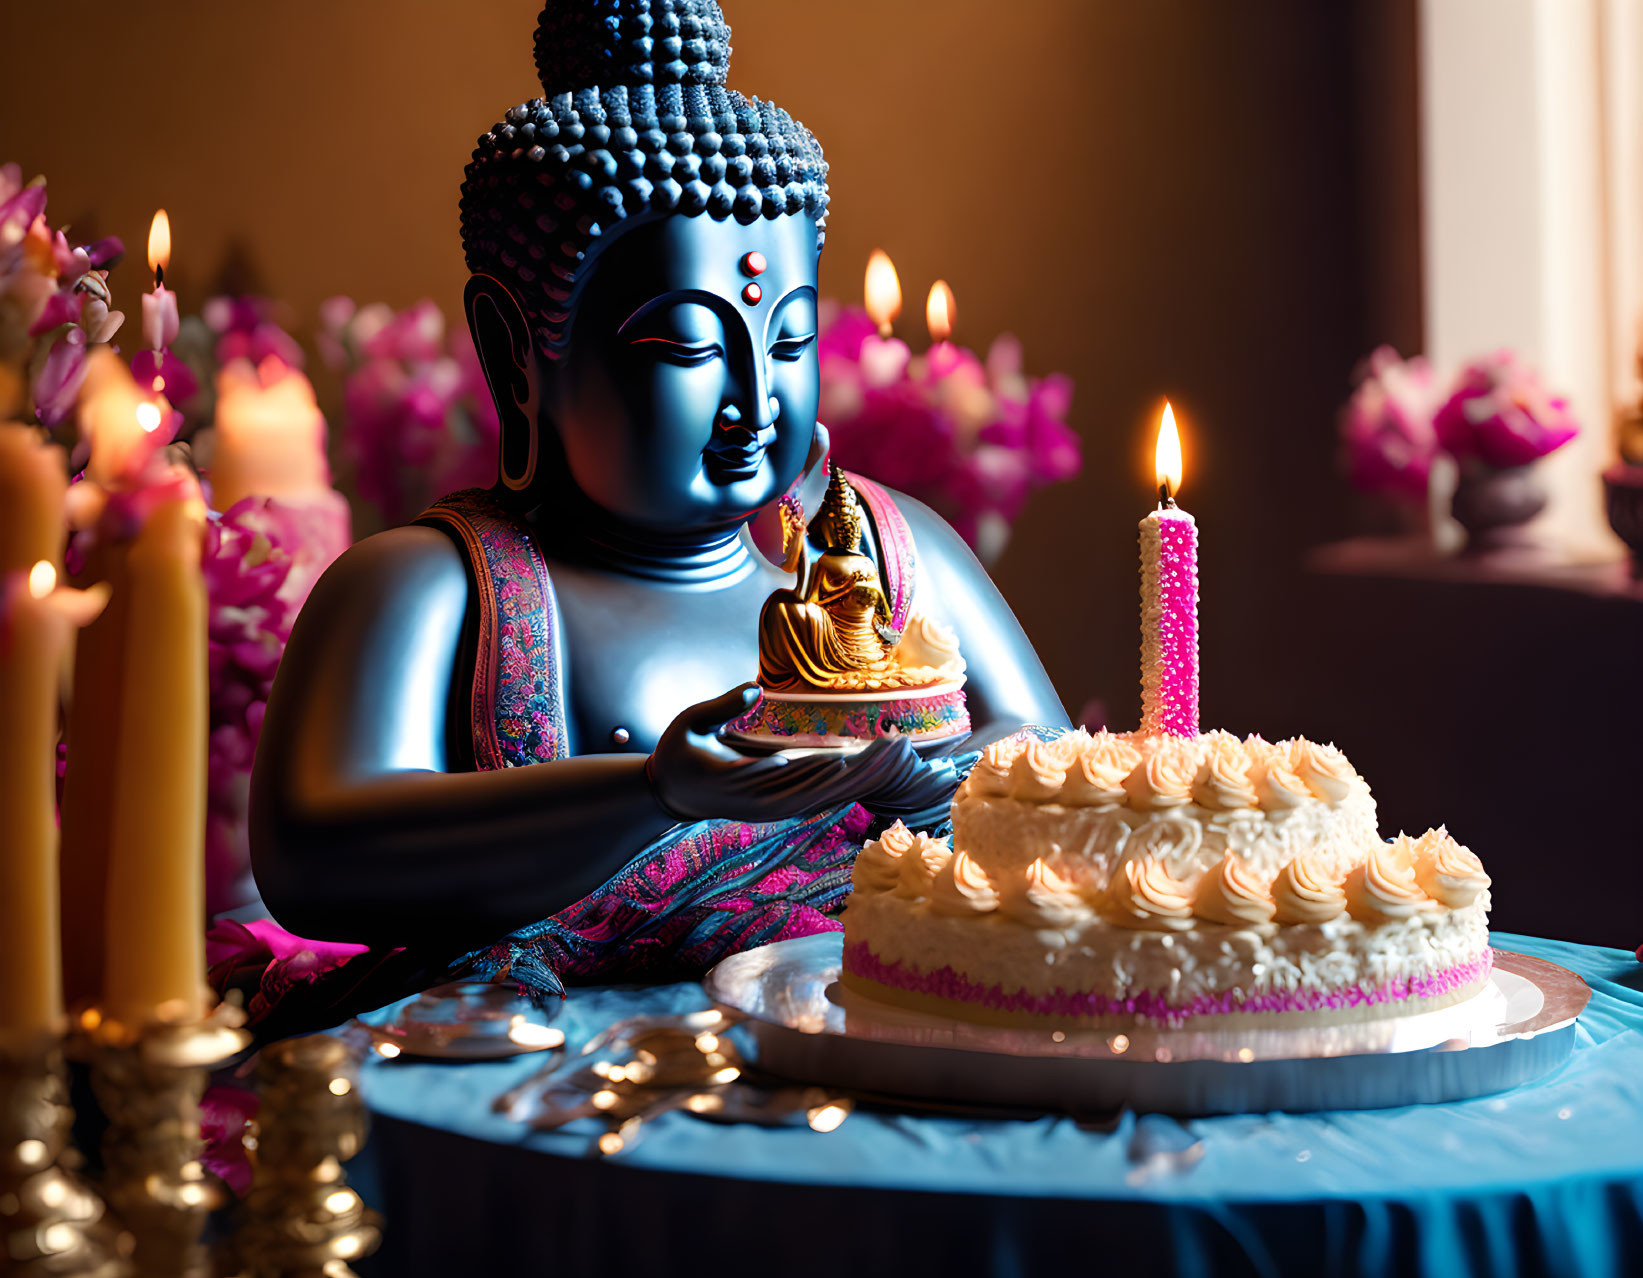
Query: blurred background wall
x,y
1219,203
1172,198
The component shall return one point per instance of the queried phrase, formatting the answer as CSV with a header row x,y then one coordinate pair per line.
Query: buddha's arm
x,y
358,830
1005,684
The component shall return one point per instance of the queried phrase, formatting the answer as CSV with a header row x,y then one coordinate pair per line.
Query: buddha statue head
x,y
644,243
840,515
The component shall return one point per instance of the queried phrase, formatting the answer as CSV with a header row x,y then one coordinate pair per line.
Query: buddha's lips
x,y
737,451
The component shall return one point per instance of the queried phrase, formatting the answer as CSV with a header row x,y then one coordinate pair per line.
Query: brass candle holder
x,y
149,1083
300,1218
51,1222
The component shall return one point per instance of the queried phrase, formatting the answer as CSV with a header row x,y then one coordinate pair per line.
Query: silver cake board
x,y
803,1025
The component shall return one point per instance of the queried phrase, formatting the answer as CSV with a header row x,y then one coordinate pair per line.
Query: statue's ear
x,y
502,338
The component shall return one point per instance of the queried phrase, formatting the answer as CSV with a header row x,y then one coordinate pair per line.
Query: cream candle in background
x,y
269,442
269,434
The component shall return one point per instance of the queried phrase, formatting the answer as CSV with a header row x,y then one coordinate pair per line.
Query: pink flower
x,y
971,438
164,372
1386,427
418,420
57,384
246,329
1501,415
51,291
225,1113
246,562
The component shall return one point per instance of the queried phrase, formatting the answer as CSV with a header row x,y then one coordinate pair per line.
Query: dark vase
x,y
1623,490
1494,503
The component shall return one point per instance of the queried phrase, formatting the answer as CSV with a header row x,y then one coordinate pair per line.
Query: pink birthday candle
x,y
1169,600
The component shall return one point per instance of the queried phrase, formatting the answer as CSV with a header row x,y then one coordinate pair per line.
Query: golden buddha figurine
x,y
834,629
835,666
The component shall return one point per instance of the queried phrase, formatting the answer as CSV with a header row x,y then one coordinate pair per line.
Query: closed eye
x,y
792,348
687,353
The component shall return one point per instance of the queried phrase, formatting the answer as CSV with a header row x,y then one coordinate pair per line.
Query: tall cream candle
x,y
37,623
33,484
155,952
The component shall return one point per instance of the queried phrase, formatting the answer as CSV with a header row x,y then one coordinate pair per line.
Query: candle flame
x,y
42,579
148,416
940,311
883,291
1167,457
159,243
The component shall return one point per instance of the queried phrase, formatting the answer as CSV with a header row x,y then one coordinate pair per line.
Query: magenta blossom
x,y
162,372
54,299
226,1112
246,328
245,561
1501,415
1386,428
417,416
972,438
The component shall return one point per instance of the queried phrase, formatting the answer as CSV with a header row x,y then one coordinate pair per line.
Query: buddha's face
x,y
686,396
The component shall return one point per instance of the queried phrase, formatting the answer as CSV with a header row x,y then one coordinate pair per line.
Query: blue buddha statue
x,y
494,738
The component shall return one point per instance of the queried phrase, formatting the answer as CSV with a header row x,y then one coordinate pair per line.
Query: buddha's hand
x,y
696,776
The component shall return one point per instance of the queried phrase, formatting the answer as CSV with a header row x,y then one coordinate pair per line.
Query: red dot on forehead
x,y
751,294
754,263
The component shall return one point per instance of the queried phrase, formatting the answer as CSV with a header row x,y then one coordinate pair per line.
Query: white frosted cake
x,y
1094,880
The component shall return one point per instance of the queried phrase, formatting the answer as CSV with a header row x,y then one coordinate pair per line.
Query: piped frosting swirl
x,y
1273,772
1045,900
1039,770
962,889
1097,778
1448,872
1231,894
990,777
1324,769
1223,783
1304,893
920,865
878,865
1164,777
1384,887
1144,896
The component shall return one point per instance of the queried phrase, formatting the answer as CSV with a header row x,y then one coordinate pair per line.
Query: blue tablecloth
x,y
1545,1179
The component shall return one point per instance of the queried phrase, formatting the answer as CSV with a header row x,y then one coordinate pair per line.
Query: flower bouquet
x,y
418,420
1495,421
970,437
53,304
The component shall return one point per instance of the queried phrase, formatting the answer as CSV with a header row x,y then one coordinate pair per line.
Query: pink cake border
x,y
1071,1004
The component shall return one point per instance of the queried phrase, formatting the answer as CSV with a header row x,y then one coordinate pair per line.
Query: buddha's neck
x,y
717,557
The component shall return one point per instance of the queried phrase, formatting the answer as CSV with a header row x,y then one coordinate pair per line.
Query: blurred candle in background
x,y
940,312
269,442
160,321
883,358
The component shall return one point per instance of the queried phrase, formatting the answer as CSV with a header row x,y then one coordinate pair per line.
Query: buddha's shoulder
x,y
407,566
932,535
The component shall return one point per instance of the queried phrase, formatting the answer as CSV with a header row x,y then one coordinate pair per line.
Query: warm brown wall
x,y
1158,198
